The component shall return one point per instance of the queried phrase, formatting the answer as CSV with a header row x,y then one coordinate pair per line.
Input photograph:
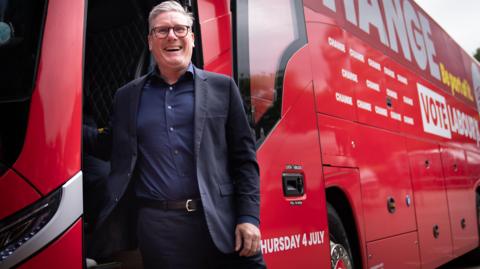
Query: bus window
x,y
21,27
267,33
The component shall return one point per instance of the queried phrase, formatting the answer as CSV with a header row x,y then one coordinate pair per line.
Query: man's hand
x,y
248,236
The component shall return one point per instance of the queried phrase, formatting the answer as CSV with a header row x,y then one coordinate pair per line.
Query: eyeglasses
x,y
163,31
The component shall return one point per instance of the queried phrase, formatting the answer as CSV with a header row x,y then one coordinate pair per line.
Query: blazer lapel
x,y
135,93
200,107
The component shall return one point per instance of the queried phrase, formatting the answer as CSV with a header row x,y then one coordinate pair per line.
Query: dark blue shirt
x,y
165,123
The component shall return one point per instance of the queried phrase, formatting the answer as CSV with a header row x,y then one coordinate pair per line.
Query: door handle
x,y
293,184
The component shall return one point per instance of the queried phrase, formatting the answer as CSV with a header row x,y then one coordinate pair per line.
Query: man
x,y
182,150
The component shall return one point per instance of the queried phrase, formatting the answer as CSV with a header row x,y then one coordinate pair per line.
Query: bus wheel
x,y
339,247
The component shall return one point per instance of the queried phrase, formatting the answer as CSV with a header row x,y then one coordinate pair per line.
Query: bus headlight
x,y
17,229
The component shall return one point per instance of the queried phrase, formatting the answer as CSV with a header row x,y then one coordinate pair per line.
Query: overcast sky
x,y
459,18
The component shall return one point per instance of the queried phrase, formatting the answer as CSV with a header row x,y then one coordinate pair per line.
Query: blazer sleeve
x,y
243,165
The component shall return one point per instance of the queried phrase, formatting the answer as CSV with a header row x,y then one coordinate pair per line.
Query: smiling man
x,y
181,152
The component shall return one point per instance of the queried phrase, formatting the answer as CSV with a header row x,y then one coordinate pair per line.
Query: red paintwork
x,y
338,140
280,218
473,165
431,203
447,51
460,192
364,93
395,252
384,174
410,104
214,18
65,252
297,77
331,61
51,152
15,194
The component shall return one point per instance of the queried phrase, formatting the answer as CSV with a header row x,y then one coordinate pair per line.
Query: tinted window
x,y
267,34
21,23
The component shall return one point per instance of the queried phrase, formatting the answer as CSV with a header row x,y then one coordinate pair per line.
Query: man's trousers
x,y
177,239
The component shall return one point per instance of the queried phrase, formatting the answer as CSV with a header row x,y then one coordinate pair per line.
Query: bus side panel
x,y
337,140
385,178
473,163
430,202
412,120
294,228
15,194
406,256
216,35
333,79
370,93
395,89
65,252
350,14
461,201
51,153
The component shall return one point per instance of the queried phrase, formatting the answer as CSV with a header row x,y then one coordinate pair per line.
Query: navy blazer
x,y
226,166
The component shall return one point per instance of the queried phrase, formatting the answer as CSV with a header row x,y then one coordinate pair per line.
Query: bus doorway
x,y
116,52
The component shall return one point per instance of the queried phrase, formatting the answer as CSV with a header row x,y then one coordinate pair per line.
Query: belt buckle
x,y
188,206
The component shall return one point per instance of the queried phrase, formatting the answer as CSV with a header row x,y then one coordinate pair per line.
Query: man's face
x,y
171,53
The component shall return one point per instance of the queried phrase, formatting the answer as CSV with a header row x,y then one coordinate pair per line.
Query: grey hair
x,y
169,6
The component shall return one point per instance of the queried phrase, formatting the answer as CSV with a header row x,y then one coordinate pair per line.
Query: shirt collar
x,y
156,72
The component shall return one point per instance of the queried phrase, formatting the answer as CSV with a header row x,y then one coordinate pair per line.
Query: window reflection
x,y
271,28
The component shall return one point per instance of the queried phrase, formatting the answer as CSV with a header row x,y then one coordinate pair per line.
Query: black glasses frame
x,y
154,31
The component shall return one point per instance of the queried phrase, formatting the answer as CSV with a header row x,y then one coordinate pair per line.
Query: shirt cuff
x,y
248,219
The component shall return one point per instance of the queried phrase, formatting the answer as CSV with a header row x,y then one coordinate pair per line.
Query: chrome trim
x,y
69,210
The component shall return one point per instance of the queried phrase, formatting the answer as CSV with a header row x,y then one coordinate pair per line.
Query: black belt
x,y
189,205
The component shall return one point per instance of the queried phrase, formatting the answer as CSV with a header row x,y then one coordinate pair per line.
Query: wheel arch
x,y
338,199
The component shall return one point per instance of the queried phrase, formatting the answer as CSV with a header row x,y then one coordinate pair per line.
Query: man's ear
x,y
193,40
150,43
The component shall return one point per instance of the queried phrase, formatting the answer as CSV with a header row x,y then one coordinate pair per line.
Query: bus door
x,y
273,71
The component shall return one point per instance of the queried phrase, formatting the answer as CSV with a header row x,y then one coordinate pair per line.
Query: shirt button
x,y
170,88
171,129
169,107
175,151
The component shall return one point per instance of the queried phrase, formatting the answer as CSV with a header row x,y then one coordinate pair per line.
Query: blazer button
x,y
129,174
116,199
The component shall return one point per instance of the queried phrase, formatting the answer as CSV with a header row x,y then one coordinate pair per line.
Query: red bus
x,y
365,114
